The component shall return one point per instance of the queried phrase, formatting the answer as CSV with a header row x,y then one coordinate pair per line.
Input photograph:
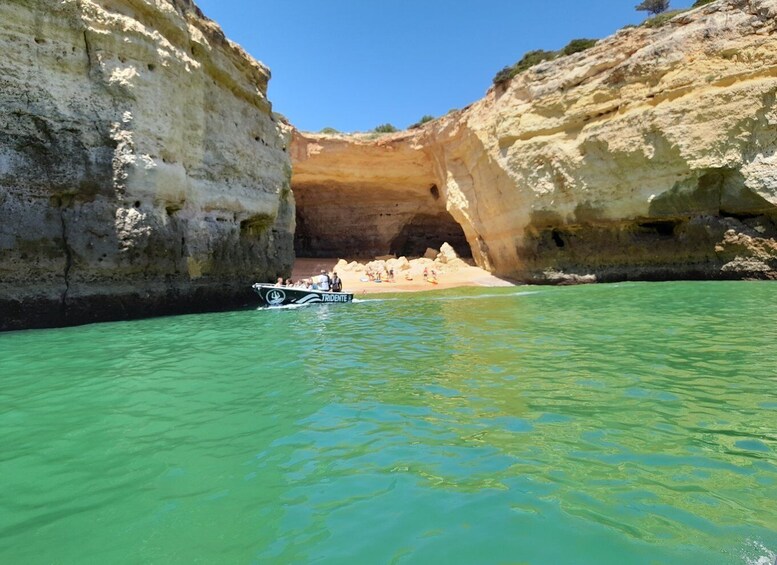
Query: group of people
x,y
377,275
324,281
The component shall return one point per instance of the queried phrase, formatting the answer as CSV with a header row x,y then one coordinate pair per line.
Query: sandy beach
x,y
461,276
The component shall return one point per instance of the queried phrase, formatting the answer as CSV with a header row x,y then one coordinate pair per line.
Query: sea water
x,y
626,423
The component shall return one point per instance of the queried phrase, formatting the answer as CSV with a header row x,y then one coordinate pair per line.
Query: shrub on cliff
x,y
653,6
385,128
539,55
329,130
578,45
504,75
527,61
424,119
534,58
699,3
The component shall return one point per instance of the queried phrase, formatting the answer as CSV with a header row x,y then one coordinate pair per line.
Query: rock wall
x,y
141,169
649,156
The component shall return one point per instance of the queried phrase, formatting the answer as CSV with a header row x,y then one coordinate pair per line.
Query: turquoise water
x,y
631,423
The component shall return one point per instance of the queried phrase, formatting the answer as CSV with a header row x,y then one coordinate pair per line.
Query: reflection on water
x,y
627,423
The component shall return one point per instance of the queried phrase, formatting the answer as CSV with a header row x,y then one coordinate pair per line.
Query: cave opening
x,y
324,235
426,231
663,228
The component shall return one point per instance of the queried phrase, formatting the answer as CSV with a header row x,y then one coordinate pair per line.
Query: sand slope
x,y
465,276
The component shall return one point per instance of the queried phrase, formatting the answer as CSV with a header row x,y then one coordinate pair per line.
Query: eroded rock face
x,y
649,156
141,170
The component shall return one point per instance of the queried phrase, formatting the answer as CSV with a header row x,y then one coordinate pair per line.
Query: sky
x,y
356,64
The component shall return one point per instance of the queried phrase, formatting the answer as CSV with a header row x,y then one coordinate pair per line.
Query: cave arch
x,y
355,228
425,231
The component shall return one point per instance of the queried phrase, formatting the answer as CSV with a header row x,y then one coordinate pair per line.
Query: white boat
x,y
271,295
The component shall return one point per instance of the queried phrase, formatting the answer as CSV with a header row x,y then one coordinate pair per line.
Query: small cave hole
x,y
40,40
151,67
556,235
664,228
435,192
137,204
741,216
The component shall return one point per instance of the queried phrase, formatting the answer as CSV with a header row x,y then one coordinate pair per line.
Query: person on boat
x,y
279,282
337,284
324,281
289,282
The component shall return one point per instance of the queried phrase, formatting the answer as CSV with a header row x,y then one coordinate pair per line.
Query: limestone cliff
x,y
649,156
141,169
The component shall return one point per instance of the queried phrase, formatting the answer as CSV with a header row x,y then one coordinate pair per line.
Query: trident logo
x,y
275,297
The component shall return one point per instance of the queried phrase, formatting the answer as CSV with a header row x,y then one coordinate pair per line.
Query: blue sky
x,y
356,64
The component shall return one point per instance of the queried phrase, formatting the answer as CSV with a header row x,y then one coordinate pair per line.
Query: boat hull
x,y
270,295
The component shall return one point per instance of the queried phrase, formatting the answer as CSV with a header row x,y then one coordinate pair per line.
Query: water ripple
x,y
601,424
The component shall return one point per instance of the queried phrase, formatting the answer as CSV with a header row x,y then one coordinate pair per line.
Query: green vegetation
x,y
385,128
424,119
661,19
578,45
699,3
653,6
329,130
537,56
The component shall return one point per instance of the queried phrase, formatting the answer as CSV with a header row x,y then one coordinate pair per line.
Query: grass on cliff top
x,y
536,57
661,19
